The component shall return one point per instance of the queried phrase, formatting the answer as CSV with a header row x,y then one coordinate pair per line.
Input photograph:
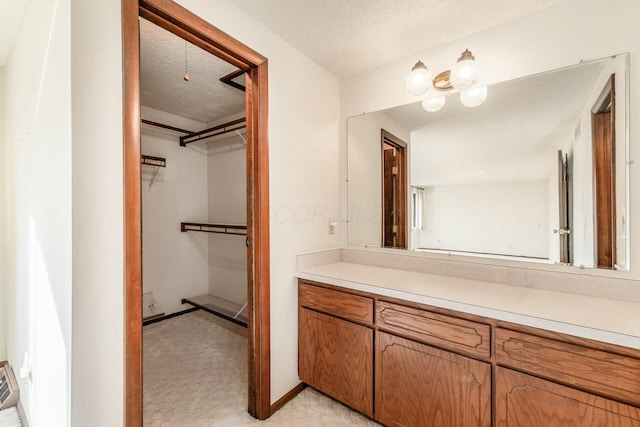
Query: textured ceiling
x,y
10,14
350,36
162,67
514,135
343,36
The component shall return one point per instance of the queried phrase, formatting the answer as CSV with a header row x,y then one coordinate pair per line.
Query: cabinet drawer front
x,y
336,303
524,400
449,332
598,371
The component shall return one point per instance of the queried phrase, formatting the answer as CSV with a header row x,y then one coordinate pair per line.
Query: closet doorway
x,y
195,33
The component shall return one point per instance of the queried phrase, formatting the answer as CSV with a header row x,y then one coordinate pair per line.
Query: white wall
x,y
507,218
365,196
38,147
227,195
5,204
174,264
98,275
554,37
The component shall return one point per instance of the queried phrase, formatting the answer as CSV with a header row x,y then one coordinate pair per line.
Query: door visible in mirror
x,y
394,191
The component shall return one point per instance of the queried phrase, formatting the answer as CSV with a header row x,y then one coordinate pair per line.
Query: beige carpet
x,y
195,375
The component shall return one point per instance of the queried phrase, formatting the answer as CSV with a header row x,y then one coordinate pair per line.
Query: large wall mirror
x,y
537,173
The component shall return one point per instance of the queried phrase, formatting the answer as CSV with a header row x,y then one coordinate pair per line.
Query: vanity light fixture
x,y
462,76
473,96
433,104
418,79
465,73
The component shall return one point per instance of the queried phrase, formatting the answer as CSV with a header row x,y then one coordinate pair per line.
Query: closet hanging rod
x,y
163,126
160,162
214,131
240,230
228,80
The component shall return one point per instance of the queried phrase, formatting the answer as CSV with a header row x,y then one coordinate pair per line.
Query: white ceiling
x,y
10,14
162,87
350,36
343,36
513,136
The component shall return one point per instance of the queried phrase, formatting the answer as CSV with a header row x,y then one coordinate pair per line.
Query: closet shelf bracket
x,y
240,230
158,162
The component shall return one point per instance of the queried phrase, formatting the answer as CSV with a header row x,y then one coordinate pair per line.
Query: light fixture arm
x,y
442,81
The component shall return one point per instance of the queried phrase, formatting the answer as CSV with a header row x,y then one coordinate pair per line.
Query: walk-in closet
x,y
194,234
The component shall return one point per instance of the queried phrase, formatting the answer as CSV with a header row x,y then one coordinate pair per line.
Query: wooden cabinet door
x,y
524,400
336,357
418,385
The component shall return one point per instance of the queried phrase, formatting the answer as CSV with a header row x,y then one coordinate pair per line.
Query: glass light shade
x,y
474,96
465,73
418,80
433,104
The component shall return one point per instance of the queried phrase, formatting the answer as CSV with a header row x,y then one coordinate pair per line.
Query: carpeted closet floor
x,y
195,375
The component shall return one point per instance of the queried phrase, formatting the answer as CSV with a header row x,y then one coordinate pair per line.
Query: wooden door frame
x,y
178,20
401,148
605,179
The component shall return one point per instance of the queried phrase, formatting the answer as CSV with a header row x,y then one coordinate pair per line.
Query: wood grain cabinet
x,y
335,355
412,365
600,371
524,400
419,385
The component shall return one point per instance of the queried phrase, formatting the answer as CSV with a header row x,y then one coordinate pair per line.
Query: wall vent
x,y
9,394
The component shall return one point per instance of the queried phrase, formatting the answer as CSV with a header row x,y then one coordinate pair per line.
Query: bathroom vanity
x,y
409,348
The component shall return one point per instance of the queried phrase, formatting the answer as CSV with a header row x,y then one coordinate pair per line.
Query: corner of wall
x,y
3,225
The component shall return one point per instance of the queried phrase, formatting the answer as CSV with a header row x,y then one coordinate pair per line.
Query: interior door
x,y
394,192
563,203
388,159
603,127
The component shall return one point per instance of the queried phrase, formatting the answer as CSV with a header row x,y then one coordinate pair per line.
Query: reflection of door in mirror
x,y
564,230
394,191
603,126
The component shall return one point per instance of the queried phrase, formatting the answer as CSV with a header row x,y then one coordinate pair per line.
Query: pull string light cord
x,y
186,69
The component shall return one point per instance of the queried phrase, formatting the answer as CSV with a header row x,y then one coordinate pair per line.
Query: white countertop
x,y
612,321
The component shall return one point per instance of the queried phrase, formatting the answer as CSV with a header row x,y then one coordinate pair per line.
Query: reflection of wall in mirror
x,y
365,176
506,218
